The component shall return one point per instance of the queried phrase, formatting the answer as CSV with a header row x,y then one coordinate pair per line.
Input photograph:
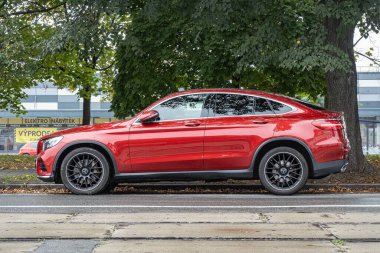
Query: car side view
x,y
210,134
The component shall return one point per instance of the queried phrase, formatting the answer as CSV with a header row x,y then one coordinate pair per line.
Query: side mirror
x,y
148,117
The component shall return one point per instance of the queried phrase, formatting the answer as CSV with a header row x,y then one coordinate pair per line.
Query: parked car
x,y
211,134
29,149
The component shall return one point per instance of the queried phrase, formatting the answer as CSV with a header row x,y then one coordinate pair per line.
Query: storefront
x,y
15,132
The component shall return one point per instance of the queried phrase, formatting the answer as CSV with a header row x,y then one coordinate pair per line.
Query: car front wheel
x,y
85,171
283,171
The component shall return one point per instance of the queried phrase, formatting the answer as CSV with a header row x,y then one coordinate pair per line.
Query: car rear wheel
x,y
85,171
283,171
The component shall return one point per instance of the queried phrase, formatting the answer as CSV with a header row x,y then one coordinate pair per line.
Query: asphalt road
x,y
68,203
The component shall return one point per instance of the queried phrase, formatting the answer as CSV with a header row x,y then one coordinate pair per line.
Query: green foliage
x,y
276,45
268,45
71,43
19,49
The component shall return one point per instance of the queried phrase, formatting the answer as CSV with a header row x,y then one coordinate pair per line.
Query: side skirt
x,y
184,176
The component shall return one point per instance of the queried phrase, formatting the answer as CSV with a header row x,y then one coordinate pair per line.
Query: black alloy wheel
x,y
283,171
85,171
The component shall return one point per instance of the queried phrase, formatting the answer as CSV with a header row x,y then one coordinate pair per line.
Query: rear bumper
x,y
327,168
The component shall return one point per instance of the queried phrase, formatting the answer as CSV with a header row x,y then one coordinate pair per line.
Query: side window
x,y
232,105
33,144
262,106
184,107
279,108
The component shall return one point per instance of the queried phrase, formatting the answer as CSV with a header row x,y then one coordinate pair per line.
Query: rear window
x,y
279,108
262,106
310,105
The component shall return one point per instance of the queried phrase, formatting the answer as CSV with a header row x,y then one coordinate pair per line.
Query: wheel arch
x,y
291,142
80,144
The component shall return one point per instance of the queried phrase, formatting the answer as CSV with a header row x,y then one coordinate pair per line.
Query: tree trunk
x,y
86,107
342,92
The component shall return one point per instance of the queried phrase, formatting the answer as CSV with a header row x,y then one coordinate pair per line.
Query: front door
x,y
174,142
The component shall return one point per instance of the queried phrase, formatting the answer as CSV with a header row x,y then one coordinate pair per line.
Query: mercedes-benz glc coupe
x,y
208,134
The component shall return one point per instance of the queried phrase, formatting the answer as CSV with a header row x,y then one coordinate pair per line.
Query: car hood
x,y
81,129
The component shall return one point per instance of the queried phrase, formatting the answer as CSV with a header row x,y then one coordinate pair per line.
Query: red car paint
x,y
201,144
29,148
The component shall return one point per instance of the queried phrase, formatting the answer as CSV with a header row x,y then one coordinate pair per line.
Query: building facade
x,y
369,109
48,109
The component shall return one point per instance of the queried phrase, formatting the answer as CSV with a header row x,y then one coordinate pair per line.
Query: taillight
x,y
39,146
328,124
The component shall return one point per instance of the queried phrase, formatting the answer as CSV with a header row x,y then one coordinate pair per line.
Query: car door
x,y
174,142
236,126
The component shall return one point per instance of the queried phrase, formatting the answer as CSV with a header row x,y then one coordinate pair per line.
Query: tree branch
x,y
36,10
105,68
376,61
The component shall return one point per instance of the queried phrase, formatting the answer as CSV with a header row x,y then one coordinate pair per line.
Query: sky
x,y
373,41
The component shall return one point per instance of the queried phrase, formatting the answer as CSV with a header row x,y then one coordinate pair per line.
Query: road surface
x,y
68,203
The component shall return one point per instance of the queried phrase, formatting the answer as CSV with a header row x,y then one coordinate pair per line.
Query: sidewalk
x,y
195,232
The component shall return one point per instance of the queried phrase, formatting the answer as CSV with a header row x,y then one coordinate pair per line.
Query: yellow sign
x,y
27,134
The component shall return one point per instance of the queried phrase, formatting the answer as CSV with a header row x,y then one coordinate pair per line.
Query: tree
x,y
19,40
84,62
289,46
70,43
343,18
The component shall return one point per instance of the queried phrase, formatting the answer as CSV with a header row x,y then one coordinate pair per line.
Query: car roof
x,y
259,93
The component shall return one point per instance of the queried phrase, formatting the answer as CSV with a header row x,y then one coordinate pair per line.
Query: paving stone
x,y
355,231
16,246
165,217
227,231
195,246
53,230
32,217
67,246
362,247
323,217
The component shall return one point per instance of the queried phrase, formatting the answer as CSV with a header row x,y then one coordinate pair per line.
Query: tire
x,y
85,171
25,154
283,171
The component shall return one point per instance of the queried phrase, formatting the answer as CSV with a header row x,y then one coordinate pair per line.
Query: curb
x,y
182,186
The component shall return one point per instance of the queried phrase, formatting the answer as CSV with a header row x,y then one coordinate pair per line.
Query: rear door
x,y
236,126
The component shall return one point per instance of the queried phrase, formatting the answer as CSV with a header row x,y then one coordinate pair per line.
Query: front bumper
x,y
46,178
327,168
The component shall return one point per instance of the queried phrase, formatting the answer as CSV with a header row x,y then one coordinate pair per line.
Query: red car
x,y
29,149
211,134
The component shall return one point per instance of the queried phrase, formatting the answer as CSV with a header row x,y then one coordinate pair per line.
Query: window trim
x,y
216,92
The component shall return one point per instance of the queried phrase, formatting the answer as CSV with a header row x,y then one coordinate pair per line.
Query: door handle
x,y
192,123
260,122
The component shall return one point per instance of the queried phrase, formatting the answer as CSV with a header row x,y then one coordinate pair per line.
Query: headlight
x,y
49,143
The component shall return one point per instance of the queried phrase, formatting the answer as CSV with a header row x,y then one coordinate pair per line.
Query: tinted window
x,y
232,105
33,144
262,106
280,108
184,107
